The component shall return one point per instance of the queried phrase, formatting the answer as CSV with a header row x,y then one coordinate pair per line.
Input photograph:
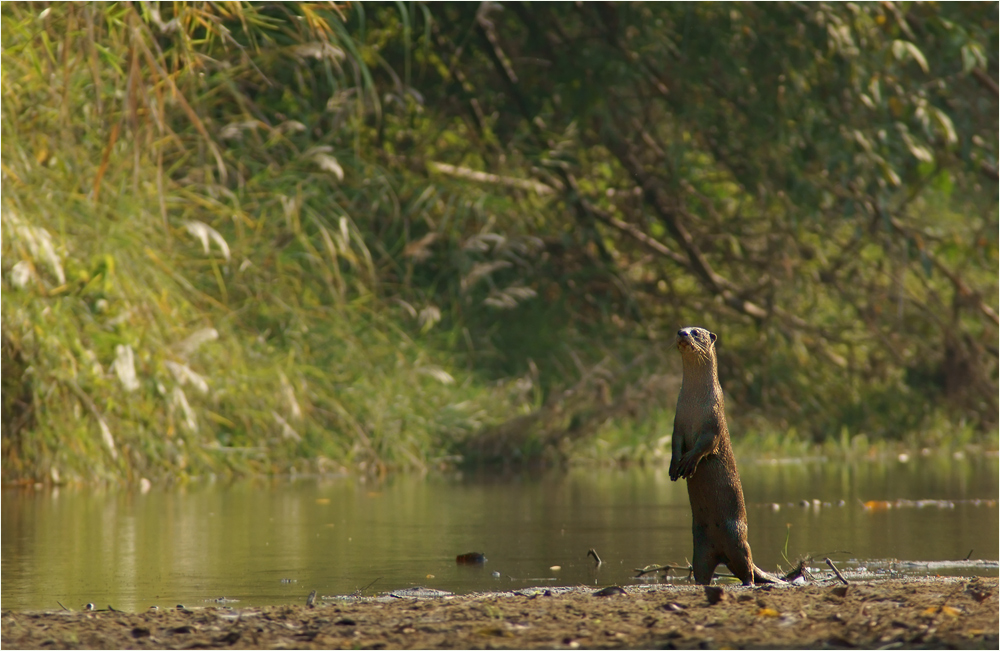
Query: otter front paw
x,y
687,465
674,475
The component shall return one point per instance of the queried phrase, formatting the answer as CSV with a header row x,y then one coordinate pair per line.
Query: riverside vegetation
x,y
245,238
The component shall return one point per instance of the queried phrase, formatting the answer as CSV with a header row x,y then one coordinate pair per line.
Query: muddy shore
x,y
898,613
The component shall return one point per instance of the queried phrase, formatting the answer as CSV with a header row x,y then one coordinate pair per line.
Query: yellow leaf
x,y
934,610
494,631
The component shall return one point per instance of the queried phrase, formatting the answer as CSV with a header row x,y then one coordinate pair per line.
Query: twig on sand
x,y
649,569
836,571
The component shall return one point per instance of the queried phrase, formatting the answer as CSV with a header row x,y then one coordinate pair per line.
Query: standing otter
x,y
702,454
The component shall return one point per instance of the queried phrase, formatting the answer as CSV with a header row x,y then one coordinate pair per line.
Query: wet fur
x,y
702,454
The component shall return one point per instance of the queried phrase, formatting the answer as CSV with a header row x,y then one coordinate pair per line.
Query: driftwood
x,y
836,571
649,569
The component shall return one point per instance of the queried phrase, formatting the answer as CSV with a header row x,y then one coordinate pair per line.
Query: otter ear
x,y
712,336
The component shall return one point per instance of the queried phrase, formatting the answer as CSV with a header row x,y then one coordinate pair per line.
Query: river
x,y
272,541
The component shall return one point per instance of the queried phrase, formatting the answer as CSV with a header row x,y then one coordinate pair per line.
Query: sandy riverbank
x,y
896,613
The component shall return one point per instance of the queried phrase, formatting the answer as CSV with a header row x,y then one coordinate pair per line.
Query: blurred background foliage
x,y
279,237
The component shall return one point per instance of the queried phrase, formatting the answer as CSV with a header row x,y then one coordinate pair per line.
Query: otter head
x,y
696,344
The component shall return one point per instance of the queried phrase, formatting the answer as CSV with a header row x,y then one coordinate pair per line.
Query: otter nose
x,y
682,333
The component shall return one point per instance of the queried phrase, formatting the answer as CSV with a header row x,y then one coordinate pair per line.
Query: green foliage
x,y
189,283
254,238
815,183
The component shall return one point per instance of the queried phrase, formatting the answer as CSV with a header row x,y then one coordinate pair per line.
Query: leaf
x,y
178,400
875,88
919,152
319,51
287,431
204,233
889,174
124,366
862,140
419,250
931,611
21,274
509,297
428,317
918,56
183,374
437,373
905,49
973,57
39,242
188,347
480,270
328,163
946,125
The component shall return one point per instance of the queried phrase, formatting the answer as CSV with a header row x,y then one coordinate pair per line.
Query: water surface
x,y
273,541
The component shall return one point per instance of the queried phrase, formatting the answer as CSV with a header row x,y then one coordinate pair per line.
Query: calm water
x,y
240,540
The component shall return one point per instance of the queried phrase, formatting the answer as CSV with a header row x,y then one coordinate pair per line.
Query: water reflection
x,y
273,541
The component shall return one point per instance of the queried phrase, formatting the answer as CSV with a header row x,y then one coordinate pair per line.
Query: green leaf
x,y
905,49
943,183
973,56
919,152
946,125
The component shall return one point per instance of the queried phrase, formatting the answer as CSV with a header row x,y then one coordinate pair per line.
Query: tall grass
x,y
188,283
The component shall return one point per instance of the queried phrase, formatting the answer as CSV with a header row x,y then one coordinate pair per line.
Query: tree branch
x,y
985,81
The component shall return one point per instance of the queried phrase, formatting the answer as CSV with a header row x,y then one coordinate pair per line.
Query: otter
x,y
703,455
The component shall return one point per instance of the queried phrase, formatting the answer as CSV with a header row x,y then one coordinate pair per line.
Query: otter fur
x,y
703,455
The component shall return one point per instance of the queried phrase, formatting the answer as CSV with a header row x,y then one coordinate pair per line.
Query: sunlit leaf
x,y
330,164
919,152
903,50
973,56
428,317
437,373
204,233
946,125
